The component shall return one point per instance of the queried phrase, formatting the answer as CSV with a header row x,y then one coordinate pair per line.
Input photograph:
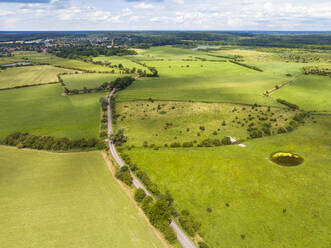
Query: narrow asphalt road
x,y
183,239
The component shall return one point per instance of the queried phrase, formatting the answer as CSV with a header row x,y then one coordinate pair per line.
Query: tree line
x,y
49,143
75,52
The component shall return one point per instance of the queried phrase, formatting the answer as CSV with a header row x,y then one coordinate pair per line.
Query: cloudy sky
x,y
165,15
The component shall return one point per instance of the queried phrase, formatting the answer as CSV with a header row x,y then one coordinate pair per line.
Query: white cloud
x,y
169,14
178,1
143,5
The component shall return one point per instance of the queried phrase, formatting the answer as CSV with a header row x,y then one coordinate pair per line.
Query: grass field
x,y
42,110
27,75
254,202
165,122
256,189
66,200
204,81
89,80
46,58
309,92
9,60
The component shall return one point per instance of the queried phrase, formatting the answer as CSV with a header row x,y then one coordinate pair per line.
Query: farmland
x,y
256,190
66,200
174,128
116,60
42,110
88,80
241,198
19,76
45,58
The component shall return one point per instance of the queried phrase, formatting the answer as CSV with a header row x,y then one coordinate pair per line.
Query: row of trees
x,y
204,143
26,140
248,66
76,52
161,209
314,70
288,104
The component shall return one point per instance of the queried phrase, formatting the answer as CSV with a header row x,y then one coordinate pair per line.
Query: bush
x,y
139,195
281,130
174,145
124,175
188,223
169,234
187,144
226,141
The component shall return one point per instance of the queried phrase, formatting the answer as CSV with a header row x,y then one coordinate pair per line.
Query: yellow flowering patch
x,y
286,158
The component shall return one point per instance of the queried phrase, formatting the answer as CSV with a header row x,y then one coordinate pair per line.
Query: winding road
x,y
183,239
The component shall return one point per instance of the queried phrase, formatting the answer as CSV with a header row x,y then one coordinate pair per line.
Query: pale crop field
x,y
26,75
66,200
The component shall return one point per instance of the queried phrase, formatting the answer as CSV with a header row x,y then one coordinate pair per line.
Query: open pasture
x,y
66,200
242,198
46,58
26,75
88,80
43,110
161,123
204,81
309,92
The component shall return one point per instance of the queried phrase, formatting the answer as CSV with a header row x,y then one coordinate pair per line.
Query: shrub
x,y
169,234
174,145
118,138
124,175
281,130
188,223
139,195
187,144
202,128
226,141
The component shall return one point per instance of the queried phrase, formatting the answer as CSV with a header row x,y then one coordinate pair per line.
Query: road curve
x,y
183,239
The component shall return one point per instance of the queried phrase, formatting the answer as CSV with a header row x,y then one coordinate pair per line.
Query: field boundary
x,y
110,165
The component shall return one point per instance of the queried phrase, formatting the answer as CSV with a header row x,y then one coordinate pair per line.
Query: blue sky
x,y
165,15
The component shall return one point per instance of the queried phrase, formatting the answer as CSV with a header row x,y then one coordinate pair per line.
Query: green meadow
x,y
241,198
271,205
88,80
42,110
204,81
161,123
66,200
309,92
26,75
